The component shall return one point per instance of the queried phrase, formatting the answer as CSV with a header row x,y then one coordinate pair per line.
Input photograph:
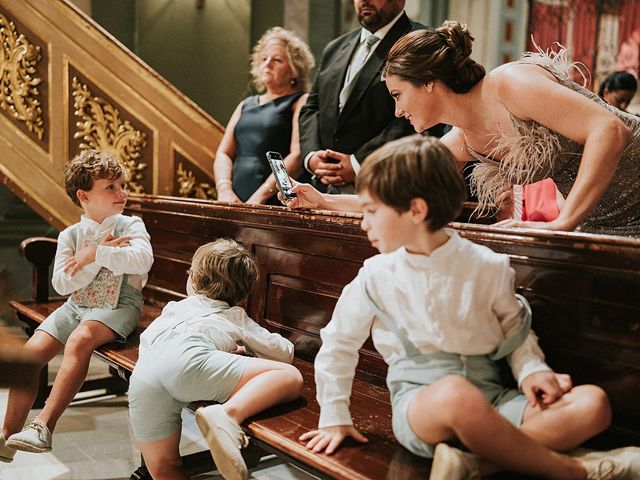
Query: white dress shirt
x,y
225,327
135,259
460,299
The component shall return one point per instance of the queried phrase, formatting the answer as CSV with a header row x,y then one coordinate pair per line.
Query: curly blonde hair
x,y
224,270
88,166
298,53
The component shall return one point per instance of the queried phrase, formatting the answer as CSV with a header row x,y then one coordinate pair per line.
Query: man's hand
x,y
329,439
326,168
345,171
545,388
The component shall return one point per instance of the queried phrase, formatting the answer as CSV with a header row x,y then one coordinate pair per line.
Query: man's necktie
x,y
359,59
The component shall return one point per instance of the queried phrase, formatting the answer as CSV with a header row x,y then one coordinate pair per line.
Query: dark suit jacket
x,y
367,119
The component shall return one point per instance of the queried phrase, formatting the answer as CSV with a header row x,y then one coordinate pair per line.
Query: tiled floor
x,y
93,442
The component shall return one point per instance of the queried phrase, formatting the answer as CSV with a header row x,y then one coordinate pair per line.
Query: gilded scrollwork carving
x,y
101,127
19,93
188,185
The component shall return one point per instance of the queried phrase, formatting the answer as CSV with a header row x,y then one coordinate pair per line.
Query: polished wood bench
x,y
583,290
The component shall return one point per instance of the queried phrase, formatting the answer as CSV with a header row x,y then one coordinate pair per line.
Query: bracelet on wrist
x,y
224,181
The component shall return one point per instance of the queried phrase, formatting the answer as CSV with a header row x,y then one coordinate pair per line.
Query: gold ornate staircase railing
x,y
67,85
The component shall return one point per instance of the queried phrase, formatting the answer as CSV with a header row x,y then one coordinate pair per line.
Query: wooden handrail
x,y
70,86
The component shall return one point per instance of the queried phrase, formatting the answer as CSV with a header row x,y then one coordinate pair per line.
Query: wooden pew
x,y
583,290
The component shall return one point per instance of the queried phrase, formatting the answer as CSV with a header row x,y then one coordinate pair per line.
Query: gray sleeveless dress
x,y
535,152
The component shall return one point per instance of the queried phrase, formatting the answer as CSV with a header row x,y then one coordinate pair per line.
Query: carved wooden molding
x,y
101,127
188,185
19,93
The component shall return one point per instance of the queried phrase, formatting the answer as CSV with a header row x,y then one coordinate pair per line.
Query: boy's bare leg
x,y
464,413
162,458
577,416
265,383
88,336
40,349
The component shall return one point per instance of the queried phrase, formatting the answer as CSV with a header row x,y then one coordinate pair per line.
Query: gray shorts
x,y
173,373
405,378
122,320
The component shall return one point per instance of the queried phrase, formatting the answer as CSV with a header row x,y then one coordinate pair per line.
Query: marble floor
x,y
93,441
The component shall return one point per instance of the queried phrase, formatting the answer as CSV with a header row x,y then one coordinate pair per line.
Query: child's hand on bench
x,y
330,438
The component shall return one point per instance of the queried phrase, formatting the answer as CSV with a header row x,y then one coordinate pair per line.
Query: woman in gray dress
x,y
523,121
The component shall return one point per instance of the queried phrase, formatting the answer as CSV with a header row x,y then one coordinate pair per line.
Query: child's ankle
x,y
47,422
232,413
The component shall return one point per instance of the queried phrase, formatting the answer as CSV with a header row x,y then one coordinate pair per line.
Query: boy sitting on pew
x,y
441,310
102,262
188,354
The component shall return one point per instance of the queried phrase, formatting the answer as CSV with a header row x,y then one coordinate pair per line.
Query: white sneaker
x,y
621,463
35,438
225,439
6,453
449,463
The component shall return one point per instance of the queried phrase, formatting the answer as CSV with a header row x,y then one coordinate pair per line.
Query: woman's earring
x,y
294,81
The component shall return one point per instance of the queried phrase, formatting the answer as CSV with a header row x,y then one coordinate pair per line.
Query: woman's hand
x,y
306,197
504,202
262,194
227,194
329,439
553,225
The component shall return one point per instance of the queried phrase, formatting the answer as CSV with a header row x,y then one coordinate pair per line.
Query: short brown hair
x,y
423,56
415,167
88,166
298,53
224,270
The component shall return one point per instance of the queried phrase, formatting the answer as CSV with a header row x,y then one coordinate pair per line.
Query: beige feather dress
x,y
535,152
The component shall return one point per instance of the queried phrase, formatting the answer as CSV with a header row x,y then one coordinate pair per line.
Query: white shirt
x,y
135,260
225,327
460,299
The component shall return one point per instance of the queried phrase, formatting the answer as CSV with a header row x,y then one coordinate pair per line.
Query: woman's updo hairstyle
x,y
423,56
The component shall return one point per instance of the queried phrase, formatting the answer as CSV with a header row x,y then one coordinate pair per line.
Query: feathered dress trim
x,y
528,152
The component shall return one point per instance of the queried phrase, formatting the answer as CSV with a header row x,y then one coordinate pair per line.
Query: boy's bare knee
x,y
80,342
294,381
456,398
596,405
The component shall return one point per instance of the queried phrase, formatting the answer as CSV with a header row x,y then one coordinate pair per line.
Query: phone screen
x,y
280,172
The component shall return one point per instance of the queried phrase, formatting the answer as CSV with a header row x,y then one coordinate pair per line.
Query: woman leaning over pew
x,y
522,121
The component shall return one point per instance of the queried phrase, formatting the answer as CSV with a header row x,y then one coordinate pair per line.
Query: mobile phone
x,y
280,172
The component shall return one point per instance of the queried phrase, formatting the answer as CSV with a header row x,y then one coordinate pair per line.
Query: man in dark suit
x,y
349,112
